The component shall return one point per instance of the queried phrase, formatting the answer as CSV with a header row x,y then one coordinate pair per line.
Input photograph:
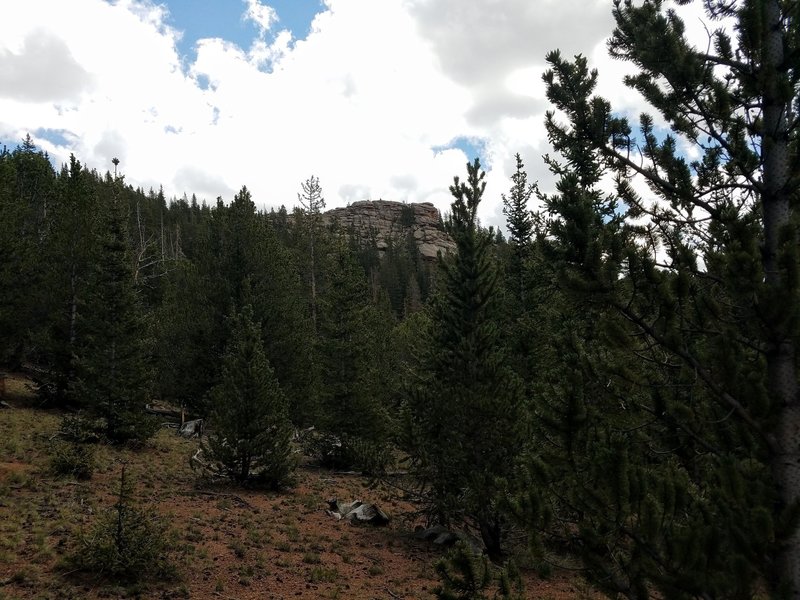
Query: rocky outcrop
x,y
384,220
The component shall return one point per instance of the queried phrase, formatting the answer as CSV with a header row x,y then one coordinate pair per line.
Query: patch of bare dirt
x,y
226,542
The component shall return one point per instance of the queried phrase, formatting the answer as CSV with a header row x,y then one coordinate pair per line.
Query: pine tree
x,y
687,392
313,202
188,317
70,251
15,246
259,270
27,183
522,279
465,576
231,256
249,426
34,188
126,542
113,375
185,331
465,418
520,228
352,353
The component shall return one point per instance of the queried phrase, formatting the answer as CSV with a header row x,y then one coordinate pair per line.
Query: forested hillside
x,y
613,388
75,240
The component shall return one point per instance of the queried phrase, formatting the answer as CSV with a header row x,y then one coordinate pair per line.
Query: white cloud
x,y
361,102
263,15
42,70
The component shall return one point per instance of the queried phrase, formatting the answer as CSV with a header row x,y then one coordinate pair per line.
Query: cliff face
x,y
385,220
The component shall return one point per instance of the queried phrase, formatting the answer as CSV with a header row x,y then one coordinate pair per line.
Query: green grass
x,y
323,575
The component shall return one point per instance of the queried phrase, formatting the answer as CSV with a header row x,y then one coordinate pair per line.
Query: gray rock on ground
x,y
357,512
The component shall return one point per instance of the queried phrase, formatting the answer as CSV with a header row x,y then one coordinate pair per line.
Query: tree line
x,y
614,386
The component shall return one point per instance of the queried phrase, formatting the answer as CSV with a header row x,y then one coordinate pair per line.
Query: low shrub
x,y
465,576
346,452
125,543
73,459
80,429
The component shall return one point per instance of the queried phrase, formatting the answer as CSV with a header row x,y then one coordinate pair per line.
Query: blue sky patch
x,y
296,15
203,82
199,19
58,137
471,146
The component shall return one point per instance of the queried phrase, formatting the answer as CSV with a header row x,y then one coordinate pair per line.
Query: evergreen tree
x,y
249,426
69,255
687,392
15,248
113,375
313,203
27,182
352,354
34,188
231,256
189,330
185,346
520,227
465,418
259,270
523,299
466,576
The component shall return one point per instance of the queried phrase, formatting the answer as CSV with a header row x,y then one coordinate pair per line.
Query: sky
x,y
380,99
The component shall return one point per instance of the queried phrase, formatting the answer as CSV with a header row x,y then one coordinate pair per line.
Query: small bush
x,y
125,543
73,459
323,575
132,428
346,452
239,549
80,429
466,576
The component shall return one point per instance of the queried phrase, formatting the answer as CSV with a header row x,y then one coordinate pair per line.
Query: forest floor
x,y
225,543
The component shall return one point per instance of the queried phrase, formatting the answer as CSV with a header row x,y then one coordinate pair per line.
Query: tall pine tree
x,y
113,375
520,228
353,358
69,254
689,388
465,417
313,203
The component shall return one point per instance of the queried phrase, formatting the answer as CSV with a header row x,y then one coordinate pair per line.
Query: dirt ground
x,y
224,542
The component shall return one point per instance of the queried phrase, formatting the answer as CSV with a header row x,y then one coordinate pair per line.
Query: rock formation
x,y
385,220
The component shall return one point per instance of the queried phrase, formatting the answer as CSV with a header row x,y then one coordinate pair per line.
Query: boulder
x,y
383,221
357,512
192,428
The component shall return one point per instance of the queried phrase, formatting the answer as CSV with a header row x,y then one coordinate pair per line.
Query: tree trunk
x,y
781,360
491,535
